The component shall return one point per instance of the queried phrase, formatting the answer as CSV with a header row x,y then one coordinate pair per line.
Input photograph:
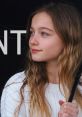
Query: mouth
x,y
35,50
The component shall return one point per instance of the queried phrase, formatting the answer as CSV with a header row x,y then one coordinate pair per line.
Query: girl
x,y
54,35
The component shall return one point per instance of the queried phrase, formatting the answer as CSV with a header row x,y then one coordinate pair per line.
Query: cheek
x,y
54,46
53,49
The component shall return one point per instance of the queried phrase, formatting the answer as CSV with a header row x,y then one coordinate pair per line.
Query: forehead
x,y
42,19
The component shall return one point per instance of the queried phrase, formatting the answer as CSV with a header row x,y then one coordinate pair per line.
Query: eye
x,y
45,34
31,33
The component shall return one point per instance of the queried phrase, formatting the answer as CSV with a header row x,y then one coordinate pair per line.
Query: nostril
x,y
33,40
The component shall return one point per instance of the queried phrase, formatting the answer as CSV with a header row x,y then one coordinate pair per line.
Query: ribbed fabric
x,y
11,97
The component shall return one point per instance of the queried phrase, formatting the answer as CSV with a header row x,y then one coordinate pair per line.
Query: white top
x,y
11,96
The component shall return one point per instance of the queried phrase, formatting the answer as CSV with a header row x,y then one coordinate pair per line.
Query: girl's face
x,y
44,42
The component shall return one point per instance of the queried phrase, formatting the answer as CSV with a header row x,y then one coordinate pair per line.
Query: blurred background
x,y
13,16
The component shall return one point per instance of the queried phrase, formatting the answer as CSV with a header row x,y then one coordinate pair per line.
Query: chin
x,y
38,60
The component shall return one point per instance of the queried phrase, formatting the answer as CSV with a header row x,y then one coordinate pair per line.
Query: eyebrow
x,y
44,28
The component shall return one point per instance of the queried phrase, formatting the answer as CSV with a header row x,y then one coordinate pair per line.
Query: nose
x,y
34,40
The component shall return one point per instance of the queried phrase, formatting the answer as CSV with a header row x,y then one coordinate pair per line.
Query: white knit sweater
x,y
11,97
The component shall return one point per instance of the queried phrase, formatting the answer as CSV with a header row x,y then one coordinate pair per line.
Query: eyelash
x,y
44,34
31,32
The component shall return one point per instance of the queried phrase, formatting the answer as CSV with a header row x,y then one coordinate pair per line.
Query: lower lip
x,y
36,51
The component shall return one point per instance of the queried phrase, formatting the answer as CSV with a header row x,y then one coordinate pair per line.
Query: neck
x,y
52,70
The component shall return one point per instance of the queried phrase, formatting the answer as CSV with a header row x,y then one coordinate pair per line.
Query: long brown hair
x,y
67,23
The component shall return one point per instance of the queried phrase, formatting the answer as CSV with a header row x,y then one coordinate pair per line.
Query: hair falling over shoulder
x,y
68,25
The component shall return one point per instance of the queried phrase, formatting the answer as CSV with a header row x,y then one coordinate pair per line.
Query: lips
x,y
35,50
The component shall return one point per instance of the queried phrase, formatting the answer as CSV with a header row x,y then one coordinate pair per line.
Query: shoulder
x,y
16,78
13,84
11,94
